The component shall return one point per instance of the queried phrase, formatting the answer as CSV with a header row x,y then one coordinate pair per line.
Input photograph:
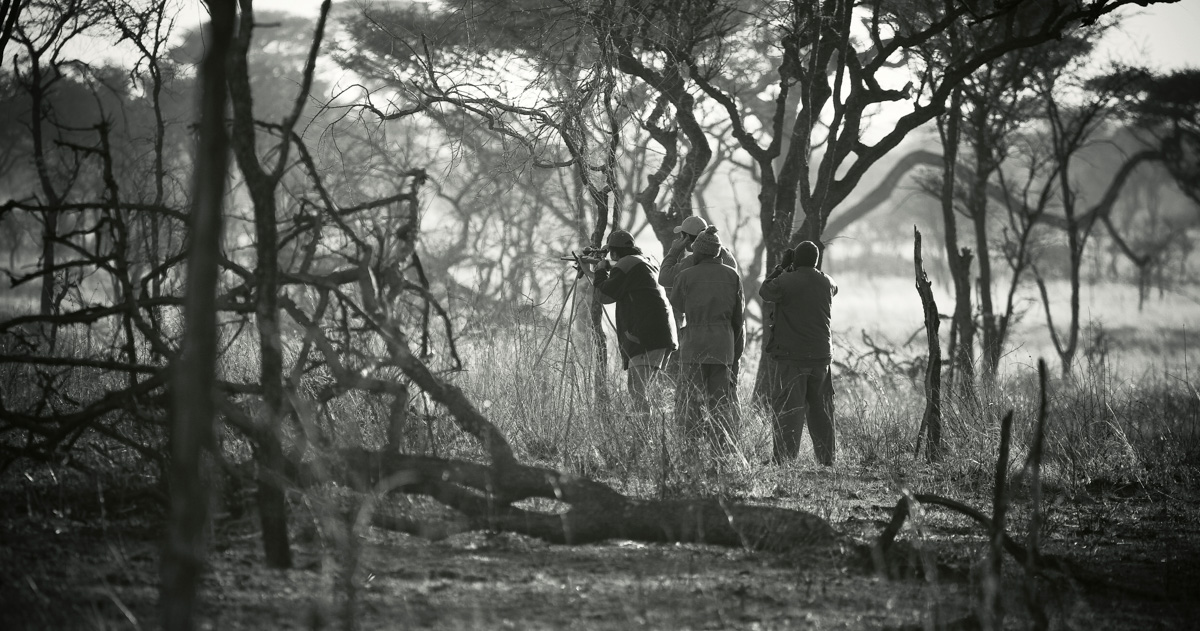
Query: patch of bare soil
x,y
67,561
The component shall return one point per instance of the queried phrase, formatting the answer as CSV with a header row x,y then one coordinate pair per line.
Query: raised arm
x,y
610,282
671,263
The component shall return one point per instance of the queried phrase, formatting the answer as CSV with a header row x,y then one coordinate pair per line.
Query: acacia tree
x,y
1069,128
556,55
991,100
1165,122
1169,106
1151,233
495,219
998,107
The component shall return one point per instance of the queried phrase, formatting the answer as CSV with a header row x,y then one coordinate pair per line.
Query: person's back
x,y
708,302
642,312
673,268
708,306
800,328
800,348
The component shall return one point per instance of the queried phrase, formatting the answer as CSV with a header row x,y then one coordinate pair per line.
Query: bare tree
x,y
997,102
1069,129
43,38
261,184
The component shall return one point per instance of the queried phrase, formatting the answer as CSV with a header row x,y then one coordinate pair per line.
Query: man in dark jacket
x,y
799,342
709,303
645,325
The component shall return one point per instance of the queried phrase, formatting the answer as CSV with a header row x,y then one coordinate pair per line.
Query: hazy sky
x,y
1164,36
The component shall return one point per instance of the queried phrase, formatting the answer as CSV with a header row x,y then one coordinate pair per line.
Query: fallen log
x,y
595,512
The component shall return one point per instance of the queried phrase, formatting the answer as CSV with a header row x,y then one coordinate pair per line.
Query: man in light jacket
x,y
709,304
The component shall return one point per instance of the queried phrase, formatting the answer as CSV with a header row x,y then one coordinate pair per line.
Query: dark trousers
x,y
796,399
707,386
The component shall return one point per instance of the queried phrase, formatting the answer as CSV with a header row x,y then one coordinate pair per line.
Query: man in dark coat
x,y
799,342
644,322
709,305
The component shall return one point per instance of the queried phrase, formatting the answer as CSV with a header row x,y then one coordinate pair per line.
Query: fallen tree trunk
x,y
595,512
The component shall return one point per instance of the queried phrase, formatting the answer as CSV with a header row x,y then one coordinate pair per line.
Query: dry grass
x,y
1129,412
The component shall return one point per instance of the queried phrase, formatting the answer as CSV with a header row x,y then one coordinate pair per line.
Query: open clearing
x,y
72,562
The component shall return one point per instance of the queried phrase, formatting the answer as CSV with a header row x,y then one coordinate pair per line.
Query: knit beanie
x,y
707,242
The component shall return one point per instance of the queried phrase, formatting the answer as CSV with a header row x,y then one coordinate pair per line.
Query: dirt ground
x,y
71,561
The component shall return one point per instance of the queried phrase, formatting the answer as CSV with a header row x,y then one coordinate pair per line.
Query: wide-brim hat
x,y
620,239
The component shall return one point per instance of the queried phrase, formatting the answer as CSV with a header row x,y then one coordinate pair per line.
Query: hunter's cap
x,y
620,239
692,225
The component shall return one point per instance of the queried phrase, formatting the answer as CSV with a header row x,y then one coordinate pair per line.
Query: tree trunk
x,y
195,371
1076,240
958,260
272,502
597,512
49,284
977,197
39,113
931,419
260,184
398,419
